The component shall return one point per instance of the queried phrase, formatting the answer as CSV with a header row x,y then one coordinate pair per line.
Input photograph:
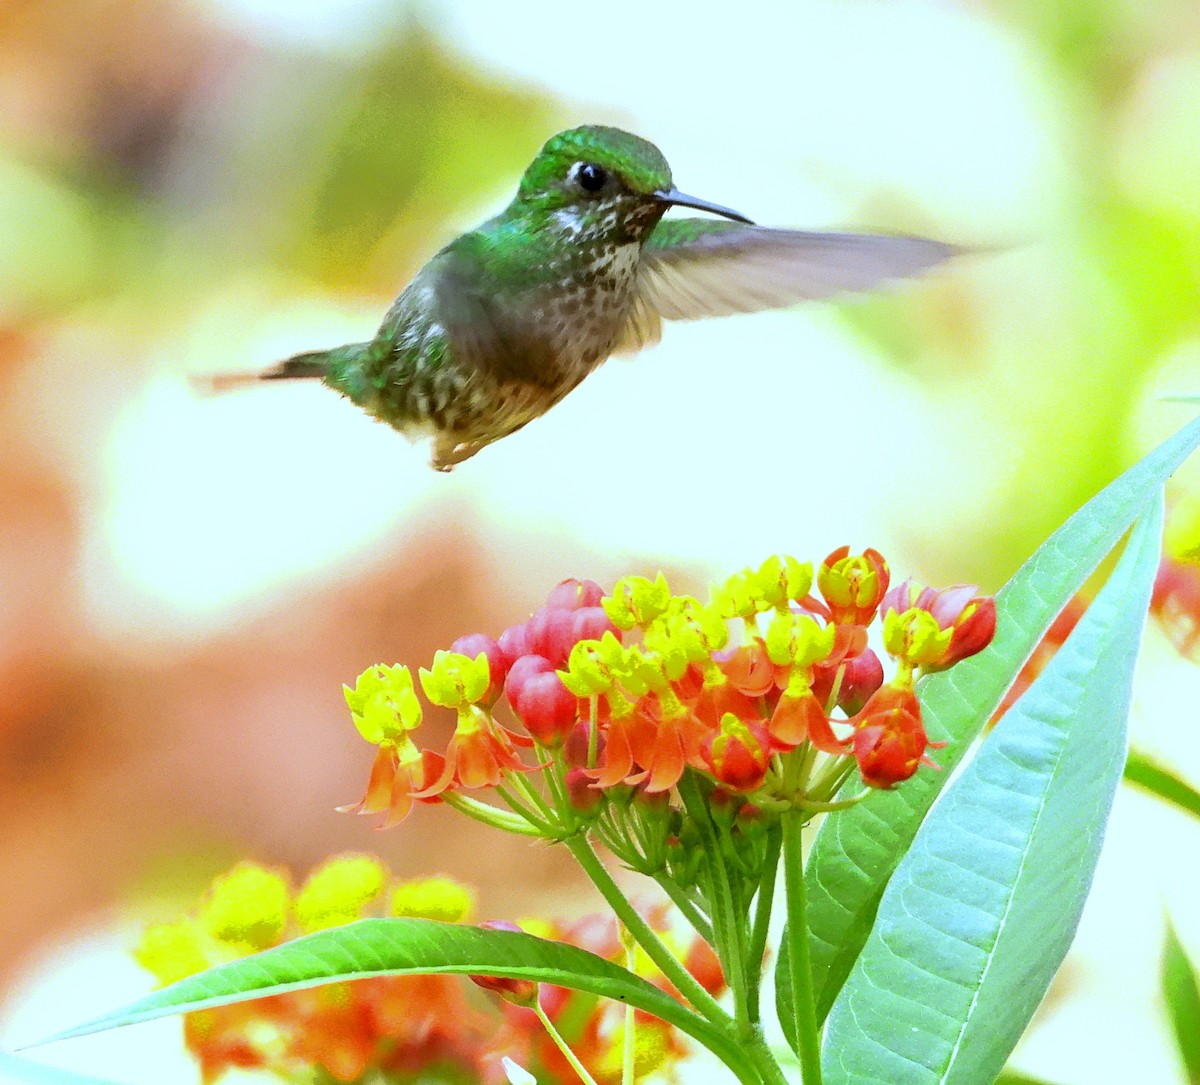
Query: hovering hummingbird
x,y
508,318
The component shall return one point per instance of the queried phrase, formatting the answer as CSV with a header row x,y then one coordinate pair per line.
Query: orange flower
x,y
889,738
747,666
935,628
478,755
400,774
853,586
669,740
798,718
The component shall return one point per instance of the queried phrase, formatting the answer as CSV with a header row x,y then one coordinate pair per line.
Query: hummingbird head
x,y
604,183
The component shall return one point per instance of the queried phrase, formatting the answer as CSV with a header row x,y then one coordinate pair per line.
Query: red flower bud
x,y
575,745
974,627
738,755
550,633
517,991
591,623
514,643
862,677
583,797
546,707
573,594
520,673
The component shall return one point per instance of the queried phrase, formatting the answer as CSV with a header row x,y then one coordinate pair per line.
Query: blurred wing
x,y
693,268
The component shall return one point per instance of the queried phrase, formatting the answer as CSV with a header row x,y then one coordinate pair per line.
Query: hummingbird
x,y
508,318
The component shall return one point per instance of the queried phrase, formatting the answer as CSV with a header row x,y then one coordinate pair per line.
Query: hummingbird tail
x,y
314,364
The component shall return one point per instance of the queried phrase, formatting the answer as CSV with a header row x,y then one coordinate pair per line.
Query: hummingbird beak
x,y
676,198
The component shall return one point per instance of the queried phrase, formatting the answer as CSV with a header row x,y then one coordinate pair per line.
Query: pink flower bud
x,y
862,677
573,594
546,707
549,633
513,643
521,671
591,623
520,992
582,795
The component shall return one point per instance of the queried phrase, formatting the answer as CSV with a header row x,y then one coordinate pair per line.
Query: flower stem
x,y
728,927
629,1051
562,1044
808,1044
668,964
491,815
698,921
762,922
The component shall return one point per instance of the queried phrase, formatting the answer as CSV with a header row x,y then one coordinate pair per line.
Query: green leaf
x,y
1015,1077
856,850
1144,772
1182,994
983,908
400,947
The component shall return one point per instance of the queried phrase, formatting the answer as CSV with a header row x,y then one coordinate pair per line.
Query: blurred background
x,y
185,582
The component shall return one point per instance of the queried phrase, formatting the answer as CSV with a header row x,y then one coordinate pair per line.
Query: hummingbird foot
x,y
448,452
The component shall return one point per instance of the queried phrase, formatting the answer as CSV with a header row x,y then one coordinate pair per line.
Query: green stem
x,y
764,1061
520,781
490,815
668,964
687,908
728,928
808,1043
629,1053
562,1044
539,826
762,922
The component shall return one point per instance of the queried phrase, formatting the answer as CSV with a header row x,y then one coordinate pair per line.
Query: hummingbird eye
x,y
589,176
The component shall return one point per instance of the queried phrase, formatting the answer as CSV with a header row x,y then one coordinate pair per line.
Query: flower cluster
x,y
396,1028
631,690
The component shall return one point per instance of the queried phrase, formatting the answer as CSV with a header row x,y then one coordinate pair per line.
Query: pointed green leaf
x,y
1014,1077
983,907
399,947
1182,994
1144,772
856,851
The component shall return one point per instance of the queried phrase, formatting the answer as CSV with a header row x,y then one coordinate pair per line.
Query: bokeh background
x,y
205,185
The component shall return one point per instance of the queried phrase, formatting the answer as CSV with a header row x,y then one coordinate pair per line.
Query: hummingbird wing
x,y
692,268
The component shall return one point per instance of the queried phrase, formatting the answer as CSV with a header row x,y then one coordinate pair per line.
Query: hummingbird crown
x,y
593,170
